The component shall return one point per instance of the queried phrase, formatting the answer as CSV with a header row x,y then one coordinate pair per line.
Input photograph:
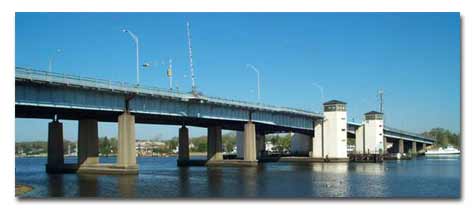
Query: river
x,y
424,177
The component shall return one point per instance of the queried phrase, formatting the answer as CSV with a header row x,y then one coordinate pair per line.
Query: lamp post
x,y
136,40
51,59
258,73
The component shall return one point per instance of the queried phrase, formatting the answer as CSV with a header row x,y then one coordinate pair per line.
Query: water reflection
x,y
248,179
215,181
184,181
331,179
160,178
127,185
55,185
87,185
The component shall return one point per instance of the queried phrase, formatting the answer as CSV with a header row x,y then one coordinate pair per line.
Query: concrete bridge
x,y
39,94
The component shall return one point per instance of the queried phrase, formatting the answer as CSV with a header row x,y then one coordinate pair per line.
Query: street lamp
x,y
136,40
258,81
51,59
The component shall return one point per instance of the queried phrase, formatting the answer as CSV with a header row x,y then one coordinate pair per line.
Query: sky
x,y
413,57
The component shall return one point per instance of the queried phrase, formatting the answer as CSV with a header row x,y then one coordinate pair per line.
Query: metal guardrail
x,y
39,75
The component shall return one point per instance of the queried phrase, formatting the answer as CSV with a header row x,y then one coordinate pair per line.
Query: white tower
x,y
334,130
370,135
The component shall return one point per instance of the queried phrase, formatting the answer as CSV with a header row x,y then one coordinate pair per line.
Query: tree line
x,y
444,137
108,146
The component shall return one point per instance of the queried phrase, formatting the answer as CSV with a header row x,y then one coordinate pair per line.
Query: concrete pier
x,y
360,144
414,147
249,142
401,146
240,144
183,146
260,145
126,155
317,141
88,142
385,145
55,147
215,146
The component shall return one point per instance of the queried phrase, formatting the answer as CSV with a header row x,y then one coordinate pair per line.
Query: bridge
x,y
45,95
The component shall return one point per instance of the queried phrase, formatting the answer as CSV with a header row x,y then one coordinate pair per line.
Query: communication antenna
x,y
170,74
380,99
190,54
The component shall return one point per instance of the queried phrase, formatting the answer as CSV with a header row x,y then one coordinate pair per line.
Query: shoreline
x,y
163,155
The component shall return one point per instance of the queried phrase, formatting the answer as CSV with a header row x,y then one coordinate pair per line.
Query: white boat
x,y
450,150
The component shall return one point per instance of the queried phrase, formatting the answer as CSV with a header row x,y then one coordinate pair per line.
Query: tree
x,y
443,137
229,142
281,143
104,146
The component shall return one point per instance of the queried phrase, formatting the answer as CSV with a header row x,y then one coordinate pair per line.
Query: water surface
x,y
435,177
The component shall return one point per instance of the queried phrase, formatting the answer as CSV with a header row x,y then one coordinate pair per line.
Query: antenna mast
x,y
192,70
380,98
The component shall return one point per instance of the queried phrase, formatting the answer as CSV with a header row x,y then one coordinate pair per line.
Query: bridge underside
x,y
39,112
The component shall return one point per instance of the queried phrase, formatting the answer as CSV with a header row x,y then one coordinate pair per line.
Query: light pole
x,y
51,59
136,40
321,91
258,81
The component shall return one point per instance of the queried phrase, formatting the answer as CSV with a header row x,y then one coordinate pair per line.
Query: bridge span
x,y
40,94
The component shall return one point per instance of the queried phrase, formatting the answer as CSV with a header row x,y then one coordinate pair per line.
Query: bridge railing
x,y
39,75
416,135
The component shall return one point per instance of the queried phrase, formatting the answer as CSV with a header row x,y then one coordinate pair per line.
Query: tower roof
x,y
333,102
373,112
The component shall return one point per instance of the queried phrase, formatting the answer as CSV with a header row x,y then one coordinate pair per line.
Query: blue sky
x,y
414,57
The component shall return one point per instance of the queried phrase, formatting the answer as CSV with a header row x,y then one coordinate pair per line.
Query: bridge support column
x,y
424,147
215,146
360,147
385,145
183,146
317,141
250,142
55,147
126,155
414,147
260,145
88,142
401,146
240,144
